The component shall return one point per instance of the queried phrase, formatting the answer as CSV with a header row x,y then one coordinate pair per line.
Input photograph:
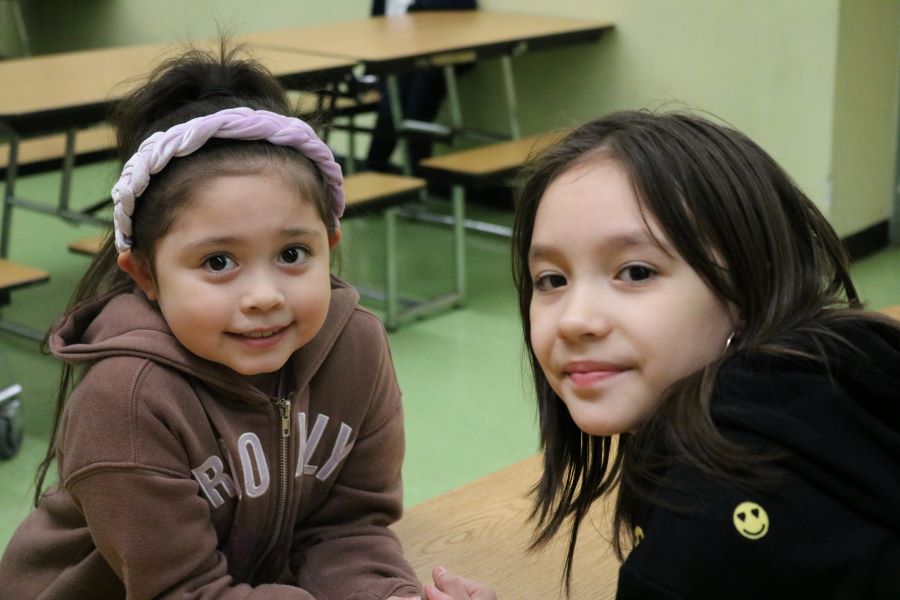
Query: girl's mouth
x,y
261,334
260,339
589,373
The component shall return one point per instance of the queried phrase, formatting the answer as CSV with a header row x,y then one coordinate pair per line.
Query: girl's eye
x,y
218,263
548,282
637,273
294,255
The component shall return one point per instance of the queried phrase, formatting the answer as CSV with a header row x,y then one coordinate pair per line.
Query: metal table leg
x,y
397,116
509,85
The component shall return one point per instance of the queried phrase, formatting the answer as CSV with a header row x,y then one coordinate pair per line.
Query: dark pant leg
x,y
421,92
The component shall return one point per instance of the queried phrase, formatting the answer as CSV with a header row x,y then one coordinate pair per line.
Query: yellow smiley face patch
x,y
751,520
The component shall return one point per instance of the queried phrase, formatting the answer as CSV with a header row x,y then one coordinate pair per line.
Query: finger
x,y
477,590
432,593
449,583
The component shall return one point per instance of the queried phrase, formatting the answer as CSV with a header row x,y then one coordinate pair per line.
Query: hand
x,y
450,586
405,598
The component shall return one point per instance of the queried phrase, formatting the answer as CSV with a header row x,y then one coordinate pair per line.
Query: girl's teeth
x,y
261,335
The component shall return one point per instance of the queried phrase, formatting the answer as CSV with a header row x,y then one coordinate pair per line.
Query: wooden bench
x,y
14,276
45,153
372,193
491,164
481,530
87,246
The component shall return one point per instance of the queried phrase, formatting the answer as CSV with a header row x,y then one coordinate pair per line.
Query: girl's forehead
x,y
594,193
239,198
596,200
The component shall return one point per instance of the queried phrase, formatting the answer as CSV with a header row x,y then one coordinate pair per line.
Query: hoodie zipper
x,y
283,406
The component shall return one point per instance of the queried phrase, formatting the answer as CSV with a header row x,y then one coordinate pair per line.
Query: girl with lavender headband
x,y
207,438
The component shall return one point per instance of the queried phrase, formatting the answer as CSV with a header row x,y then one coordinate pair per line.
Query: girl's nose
x,y
585,313
262,293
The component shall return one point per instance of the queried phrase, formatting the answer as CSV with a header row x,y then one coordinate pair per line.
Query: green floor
x,y
467,411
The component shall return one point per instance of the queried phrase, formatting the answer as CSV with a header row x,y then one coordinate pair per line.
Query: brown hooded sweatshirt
x,y
179,479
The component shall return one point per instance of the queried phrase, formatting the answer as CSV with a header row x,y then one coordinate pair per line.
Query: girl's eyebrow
x,y
620,241
639,239
213,241
297,232
226,240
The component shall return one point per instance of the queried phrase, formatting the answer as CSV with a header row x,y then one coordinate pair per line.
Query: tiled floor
x,y
466,398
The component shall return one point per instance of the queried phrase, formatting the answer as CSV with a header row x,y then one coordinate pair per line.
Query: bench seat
x,y
14,276
45,153
491,164
88,246
487,163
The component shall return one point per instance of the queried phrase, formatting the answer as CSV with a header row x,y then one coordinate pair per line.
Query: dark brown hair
x,y
721,200
194,84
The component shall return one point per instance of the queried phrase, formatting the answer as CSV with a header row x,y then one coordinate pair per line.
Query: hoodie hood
x,y
128,324
838,421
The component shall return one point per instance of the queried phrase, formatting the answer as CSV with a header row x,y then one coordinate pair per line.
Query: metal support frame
x,y
402,310
61,209
65,189
22,330
350,158
509,86
25,331
395,99
453,97
426,216
9,192
399,309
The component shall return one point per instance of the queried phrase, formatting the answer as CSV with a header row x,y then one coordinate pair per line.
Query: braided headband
x,y
242,123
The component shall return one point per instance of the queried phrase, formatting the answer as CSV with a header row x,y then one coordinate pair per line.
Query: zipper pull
x,y
284,405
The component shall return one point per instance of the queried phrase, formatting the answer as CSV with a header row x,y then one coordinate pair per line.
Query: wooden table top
x,y
501,157
376,40
481,531
39,88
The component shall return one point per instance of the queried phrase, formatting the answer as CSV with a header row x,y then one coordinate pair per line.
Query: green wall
x,y
865,113
61,25
815,82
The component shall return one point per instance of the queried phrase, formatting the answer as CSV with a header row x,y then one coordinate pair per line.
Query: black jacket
x,y
829,527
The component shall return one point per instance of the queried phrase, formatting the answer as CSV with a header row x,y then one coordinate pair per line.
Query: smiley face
x,y
751,520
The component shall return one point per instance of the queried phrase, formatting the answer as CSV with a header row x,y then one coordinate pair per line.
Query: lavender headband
x,y
242,123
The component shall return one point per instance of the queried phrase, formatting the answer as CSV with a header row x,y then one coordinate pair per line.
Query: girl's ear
x,y
139,270
334,237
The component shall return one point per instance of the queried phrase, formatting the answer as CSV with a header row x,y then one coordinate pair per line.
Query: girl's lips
x,y
586,374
